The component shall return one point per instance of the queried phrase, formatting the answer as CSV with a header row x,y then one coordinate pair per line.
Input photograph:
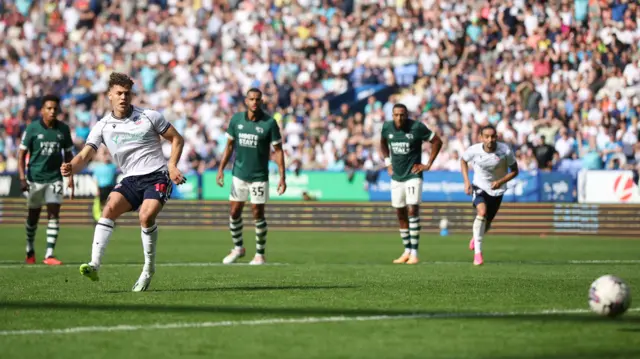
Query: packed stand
x,y
559,79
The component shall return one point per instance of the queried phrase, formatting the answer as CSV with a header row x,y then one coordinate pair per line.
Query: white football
x,y
609,296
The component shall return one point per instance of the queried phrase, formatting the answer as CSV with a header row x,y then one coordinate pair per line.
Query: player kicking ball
x,y
252,133
44,141
491,164
132,136
401,145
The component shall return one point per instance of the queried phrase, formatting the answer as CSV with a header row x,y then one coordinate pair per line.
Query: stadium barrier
x,y
513,218
608,187
325,186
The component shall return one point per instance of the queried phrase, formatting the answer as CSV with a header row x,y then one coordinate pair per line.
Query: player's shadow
x,y
245,288
584,318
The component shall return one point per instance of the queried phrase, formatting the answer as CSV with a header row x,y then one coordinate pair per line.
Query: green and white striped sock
x,y
235,226
261,236
52,236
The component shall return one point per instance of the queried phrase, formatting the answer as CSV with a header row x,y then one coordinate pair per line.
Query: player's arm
x,y
513,172
384,149
276,142
464,168
177,144
279,158
25,145
224,161
79,162
436,146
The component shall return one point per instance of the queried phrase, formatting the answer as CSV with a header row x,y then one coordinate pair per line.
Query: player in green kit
x,y
251,133
401,145
44,141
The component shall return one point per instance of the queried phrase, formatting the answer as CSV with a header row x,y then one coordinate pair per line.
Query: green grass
x,y
322,275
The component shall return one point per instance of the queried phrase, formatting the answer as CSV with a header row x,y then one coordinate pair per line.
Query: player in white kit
x,y
494,164
132,135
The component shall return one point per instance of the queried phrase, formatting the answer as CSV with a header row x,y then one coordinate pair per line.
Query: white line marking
x,y
304,320
16,264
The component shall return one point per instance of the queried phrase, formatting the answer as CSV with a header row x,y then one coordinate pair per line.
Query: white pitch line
x,y
304,320
16,264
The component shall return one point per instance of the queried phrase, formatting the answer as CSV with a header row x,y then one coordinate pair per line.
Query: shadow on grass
x,y
322,312
245,289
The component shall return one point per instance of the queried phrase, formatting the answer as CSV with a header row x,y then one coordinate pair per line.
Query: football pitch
x,y
323,295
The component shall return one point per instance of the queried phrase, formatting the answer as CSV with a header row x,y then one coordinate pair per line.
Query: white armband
x,y
387,162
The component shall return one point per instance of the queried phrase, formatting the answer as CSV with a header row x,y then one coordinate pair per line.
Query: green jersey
x,y
405,146
45,146
253,140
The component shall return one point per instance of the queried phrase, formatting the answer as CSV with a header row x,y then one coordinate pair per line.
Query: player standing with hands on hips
x,y
132,135
252,133
401,146
44,141
491,164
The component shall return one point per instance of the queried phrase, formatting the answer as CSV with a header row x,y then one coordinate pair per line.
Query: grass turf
x,y
320,275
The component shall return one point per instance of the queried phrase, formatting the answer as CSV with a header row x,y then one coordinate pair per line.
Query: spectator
x,y
562,70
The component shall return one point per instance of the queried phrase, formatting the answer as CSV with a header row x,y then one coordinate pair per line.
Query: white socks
x,y
149,241
101,236
478,232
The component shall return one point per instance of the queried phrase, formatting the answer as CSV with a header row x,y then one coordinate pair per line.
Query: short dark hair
x,y
256,90
400,105
120,79
488,127
52,98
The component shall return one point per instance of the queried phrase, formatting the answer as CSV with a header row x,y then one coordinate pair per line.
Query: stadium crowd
x,y
558,78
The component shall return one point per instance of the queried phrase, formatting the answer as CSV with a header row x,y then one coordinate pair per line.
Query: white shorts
x,y
43,193
241,190
406,193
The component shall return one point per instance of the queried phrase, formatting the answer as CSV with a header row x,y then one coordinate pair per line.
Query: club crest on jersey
x,y
59,136
114,125
137,120
409,136
240,127
259,129
390,136
40,136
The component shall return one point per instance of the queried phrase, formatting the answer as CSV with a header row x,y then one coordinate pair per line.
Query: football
x,y
609,296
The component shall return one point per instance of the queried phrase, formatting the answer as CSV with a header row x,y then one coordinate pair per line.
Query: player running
x,y
132,135
491,164
252,133
401,145
44,140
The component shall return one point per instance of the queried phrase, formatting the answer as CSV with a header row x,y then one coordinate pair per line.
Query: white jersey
x,y
134,142
489,166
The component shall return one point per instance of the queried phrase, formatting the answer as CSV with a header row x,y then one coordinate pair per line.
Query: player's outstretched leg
x,y
116,205
414,234
53,228
101,236
31,226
